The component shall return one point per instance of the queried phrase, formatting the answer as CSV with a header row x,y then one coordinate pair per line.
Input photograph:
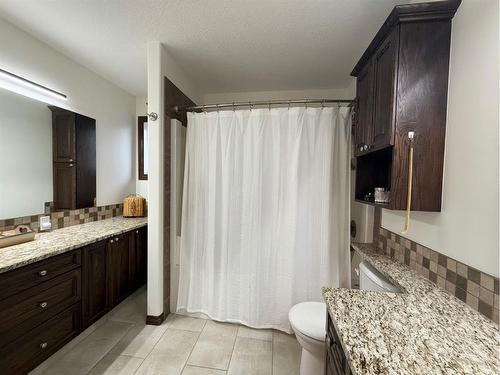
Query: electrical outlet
x,y
44,223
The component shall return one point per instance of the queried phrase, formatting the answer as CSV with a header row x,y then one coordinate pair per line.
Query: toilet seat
x,y
309,318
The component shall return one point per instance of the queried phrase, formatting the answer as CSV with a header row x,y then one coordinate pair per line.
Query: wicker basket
x,y
134,206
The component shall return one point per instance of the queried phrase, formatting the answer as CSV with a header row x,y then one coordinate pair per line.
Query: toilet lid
x,y
309,318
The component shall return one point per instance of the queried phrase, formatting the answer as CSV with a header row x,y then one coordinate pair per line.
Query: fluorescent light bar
x,y
26,83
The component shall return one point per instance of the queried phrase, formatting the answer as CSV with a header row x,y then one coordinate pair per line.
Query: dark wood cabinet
x,y
384,68
29,350
364,112
119,267
63,136
95,278
74,159
402,85
45,304
335,359
138,250
64,175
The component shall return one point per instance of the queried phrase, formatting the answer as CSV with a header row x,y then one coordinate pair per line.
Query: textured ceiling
x,y
223,45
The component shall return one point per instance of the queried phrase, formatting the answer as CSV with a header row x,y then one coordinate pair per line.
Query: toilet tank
x,y
371,279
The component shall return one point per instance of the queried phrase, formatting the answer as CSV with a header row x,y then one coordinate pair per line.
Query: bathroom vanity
x,y
422,330
53,288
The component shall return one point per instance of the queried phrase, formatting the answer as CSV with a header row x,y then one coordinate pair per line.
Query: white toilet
x,y
308,320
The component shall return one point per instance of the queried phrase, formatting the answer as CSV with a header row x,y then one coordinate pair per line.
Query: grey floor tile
x,y
186,323
170,354
252,333
132,310
67,348
139,340
194,370
251,357
286,354
85,355
113,364
215,345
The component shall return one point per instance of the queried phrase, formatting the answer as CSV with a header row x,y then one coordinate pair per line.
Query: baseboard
x,y
155,320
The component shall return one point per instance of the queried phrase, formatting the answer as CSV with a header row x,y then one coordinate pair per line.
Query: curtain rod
x,y
269,103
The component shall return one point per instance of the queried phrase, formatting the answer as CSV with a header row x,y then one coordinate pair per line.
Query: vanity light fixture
x,y
23,86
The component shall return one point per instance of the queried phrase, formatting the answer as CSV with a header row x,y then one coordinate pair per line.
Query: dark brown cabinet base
x,y
336,361
46,304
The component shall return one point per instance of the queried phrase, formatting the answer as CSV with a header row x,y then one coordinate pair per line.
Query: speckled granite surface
x,y
62,240
424,330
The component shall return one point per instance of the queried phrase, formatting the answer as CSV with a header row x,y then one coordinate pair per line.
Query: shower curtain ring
x,y
234,109
323,104
289,102
250,105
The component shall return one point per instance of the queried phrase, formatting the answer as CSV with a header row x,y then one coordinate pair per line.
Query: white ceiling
x,y
223,45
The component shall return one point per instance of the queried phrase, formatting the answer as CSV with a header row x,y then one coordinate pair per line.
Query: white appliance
x,y
362,218
308,321
371,279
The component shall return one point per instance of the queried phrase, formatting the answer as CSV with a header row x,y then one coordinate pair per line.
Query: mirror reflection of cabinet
x,y
74,159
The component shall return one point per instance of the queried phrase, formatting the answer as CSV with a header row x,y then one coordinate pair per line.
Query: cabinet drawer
x,y
15,281
24,311
31,349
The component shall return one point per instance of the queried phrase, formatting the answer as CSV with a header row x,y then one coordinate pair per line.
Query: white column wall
x,y
155,181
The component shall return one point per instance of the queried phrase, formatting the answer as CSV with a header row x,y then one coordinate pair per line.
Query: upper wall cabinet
x,y
74,159
402,86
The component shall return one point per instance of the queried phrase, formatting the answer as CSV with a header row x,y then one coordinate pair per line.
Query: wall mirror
x,y
142,147
48,158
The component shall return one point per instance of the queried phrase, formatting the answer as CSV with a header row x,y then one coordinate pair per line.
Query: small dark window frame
x,y
141,120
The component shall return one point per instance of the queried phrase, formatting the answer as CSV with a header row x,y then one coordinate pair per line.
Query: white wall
x,y
177,152
467,228
88,94
160,65
26,154
343,93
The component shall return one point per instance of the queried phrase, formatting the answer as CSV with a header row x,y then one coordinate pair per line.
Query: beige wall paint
x,y
467,228
228,97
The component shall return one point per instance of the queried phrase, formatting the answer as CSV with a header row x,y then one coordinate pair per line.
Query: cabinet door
x,y
64,175
95,273
63,136
140,255
119,267
86,166
364,110
384,63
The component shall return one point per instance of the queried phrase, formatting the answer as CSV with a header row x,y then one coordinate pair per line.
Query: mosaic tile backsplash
x,y
477,289
61,219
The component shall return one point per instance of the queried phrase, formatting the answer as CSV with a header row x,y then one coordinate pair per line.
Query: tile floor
x,y
120,343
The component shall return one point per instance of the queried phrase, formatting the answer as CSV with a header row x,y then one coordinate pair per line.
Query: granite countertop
x,y
423,330
59,241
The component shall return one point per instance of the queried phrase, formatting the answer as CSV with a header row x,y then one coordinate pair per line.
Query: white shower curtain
x,y
265,217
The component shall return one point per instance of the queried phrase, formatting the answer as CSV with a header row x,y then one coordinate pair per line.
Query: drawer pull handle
x,y
43,273
43,345
43,305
